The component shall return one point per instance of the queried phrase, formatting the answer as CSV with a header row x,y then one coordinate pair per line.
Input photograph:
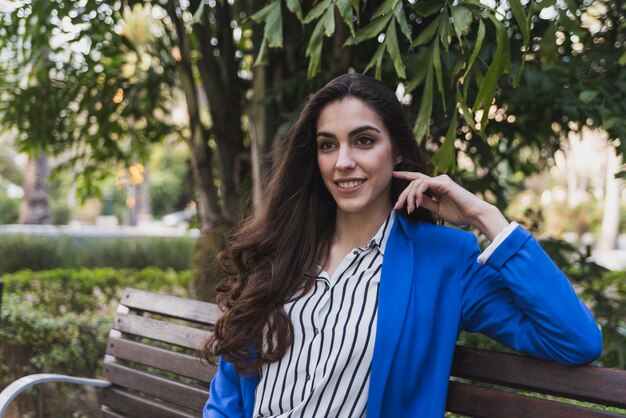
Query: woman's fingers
x,y
414,194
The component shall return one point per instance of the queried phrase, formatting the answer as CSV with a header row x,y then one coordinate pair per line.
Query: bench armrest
x,y
20,385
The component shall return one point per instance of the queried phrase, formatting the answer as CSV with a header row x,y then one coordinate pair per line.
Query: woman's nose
x,y
345,159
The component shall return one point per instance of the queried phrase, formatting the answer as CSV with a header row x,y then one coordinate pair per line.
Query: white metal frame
x,y
20,385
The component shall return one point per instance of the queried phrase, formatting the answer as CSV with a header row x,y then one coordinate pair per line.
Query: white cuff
x,y
484,256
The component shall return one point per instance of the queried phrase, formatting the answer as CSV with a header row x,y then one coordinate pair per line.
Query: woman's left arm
x,y
520,297
450,202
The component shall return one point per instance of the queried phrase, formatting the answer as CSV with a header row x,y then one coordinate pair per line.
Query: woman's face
x,y
355,156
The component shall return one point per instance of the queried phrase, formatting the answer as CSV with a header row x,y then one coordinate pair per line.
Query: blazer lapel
x,y
394,291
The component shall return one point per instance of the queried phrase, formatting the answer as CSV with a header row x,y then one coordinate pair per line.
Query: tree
x,y
35,207
494,86
502,85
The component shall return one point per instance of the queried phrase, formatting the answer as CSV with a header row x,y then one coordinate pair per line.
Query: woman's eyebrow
x,y
353,132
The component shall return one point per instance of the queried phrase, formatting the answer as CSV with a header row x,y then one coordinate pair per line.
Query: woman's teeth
x,y
349,184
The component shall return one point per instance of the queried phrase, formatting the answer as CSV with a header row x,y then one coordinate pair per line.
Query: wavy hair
x,y
272,257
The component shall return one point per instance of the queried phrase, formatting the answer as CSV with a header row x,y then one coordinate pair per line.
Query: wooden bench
x,y
151,370
150,367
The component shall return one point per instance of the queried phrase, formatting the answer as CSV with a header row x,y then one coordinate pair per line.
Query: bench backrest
x,y
152,362
543,389
151,357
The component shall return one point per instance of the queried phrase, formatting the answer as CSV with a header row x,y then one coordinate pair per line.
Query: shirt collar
x,y
379,241
381,237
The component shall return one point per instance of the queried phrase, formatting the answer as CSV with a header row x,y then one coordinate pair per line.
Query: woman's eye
x,y
365,140
326,146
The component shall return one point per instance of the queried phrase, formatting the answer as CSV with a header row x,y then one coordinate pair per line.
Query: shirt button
x,y
316,331
355,252
308,377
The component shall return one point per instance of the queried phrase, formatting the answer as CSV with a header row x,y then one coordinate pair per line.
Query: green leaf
x,y
573,26
489,83
444,31
261,58
422,125
480,37
468,116
520,17
198,16
376,60
345,10
273,29
444,159
317,11
294,7
622,59
572,5
402,22
479,4
438,72
587,96
385,8
427,8
329,21
391,40
611,122
548,53
421,71
375,28
462,19
314,49
428,33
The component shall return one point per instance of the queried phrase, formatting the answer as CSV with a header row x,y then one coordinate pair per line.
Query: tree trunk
x,y
35,208
206,192
257,134
218,72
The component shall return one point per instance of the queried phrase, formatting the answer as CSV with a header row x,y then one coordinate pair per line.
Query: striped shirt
x,y
326,371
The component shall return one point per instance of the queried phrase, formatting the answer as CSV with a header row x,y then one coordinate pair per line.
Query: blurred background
x,y
134,135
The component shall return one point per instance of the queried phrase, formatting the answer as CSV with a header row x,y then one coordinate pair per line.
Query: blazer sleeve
x,y
225,397
521,299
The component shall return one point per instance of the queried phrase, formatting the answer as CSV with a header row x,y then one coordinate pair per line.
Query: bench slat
x,y
481,402
190,310
588,383
156,386
108,413
179,363
179,335
131,405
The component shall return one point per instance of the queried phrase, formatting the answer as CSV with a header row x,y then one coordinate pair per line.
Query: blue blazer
x,y
431,289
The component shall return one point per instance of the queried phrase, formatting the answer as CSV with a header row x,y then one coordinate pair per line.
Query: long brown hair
x,y
273,256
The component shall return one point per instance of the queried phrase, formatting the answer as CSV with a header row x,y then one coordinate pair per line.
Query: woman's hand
x,y
450,202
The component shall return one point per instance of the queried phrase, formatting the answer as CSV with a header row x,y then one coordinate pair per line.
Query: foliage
x,y
58,322
9,209
495,88
171,182
68,343
97,88
44,253
81,291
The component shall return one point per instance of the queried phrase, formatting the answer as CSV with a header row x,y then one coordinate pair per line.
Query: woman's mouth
x,y
349,184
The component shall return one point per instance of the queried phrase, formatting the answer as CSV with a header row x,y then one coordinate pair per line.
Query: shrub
x,y
9,209
58,322
45,253
61,291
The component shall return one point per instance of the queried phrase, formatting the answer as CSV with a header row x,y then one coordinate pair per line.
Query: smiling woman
x,y
343,298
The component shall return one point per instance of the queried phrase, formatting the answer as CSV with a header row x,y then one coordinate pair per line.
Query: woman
x,y
345,299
